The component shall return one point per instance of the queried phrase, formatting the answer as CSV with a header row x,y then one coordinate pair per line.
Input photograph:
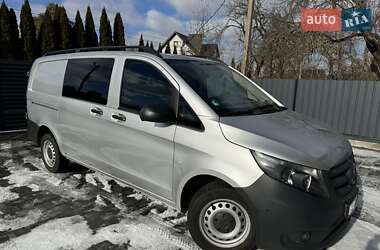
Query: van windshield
x,y
224,90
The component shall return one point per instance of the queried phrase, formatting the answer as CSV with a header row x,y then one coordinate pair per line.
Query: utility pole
x,y
247,37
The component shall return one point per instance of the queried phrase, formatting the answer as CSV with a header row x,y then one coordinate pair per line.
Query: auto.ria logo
x,y
336,19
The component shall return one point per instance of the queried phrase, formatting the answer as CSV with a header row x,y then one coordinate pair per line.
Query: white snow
x,y
5,145
100,201
10,223
362,235
91,179
142,232
38,180
170,212
366,153
7,195
74,233
34,187
136,196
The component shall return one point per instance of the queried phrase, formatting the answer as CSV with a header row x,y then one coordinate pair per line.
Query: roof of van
x,y
118,53
182,57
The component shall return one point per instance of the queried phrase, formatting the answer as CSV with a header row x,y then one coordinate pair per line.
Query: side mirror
x,y
157,113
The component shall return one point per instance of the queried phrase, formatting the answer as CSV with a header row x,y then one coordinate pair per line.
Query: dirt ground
x,y
82,209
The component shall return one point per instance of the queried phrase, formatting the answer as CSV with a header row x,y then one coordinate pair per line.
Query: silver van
x,y
199,136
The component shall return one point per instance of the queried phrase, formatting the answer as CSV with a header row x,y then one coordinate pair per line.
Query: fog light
x,y
301,237
305,236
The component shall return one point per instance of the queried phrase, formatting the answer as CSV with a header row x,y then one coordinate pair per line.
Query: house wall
x,y
182,48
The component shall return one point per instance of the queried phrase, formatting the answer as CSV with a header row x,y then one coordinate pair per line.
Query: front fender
x,y
202,172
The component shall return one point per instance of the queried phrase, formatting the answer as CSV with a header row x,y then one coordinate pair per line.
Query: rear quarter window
x,y
48,77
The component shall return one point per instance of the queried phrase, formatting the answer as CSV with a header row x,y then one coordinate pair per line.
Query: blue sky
x,y
156,19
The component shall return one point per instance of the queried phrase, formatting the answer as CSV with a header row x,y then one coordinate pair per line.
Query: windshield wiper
x,y
239,112
269,108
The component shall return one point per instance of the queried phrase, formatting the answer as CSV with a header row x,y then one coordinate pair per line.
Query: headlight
x,y
298,176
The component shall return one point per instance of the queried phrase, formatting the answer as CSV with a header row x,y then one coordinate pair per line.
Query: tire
x,y
51,155
219,218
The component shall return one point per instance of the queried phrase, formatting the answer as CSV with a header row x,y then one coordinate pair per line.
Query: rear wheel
x,y
51,156
218,218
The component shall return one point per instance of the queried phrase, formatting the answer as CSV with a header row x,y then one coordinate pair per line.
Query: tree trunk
x,y
373,44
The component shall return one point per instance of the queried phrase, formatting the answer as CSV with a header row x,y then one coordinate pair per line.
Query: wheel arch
x,y
43,129
190,185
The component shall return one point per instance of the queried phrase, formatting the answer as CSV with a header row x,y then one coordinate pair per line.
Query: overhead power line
x,y
212,16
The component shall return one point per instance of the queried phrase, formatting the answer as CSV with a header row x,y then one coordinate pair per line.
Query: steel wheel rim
x,y
215,223
49,153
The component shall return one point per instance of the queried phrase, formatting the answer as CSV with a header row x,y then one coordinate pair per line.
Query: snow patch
x,y
74,233
37,162
366,153
170,212
11,223
100,201
5,145
136,196
362,235
77,176
7,162
34,187
5,154
91,179
7,195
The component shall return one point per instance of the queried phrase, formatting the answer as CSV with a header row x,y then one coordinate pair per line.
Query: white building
x,y
192,44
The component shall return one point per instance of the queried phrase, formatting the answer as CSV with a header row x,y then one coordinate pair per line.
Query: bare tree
x,y
282,50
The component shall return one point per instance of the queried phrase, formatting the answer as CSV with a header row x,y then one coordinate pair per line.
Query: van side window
x,y
88,79
143,84
187,116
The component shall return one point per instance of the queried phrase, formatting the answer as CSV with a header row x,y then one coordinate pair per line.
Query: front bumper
x,y
286,218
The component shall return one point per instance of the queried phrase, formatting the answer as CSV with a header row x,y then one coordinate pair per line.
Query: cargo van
x,y
199,136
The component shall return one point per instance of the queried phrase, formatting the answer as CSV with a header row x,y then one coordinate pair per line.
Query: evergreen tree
x,y
151,45
46,36
65,29
28,32
167,49
15,36
91,38
147,44
175,50
78,34
55,11
118,31
6,33
105,30
141,42
159,47
233,63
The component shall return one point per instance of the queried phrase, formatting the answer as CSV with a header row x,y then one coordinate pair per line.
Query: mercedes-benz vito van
x,y
200,136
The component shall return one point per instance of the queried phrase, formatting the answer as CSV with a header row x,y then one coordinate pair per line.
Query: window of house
x,y
143,84
88,79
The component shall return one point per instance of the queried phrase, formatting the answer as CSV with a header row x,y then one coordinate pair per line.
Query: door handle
x,y
96,111
119,117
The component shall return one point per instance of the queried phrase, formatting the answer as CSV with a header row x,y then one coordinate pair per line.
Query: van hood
x,y
289,136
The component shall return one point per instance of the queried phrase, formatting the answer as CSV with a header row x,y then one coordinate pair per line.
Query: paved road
x,y
86,210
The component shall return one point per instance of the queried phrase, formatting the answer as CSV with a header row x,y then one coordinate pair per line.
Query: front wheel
x,y
218,218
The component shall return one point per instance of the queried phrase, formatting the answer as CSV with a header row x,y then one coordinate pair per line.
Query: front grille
x,y
343,177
